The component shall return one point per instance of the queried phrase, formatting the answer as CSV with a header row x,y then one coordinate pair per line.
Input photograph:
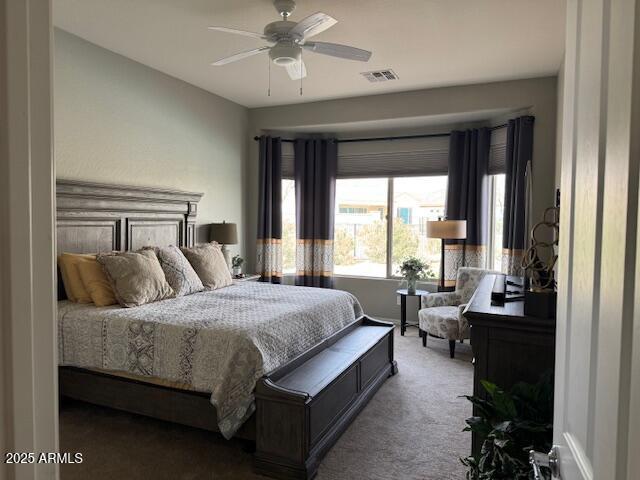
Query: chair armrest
x,y
440,299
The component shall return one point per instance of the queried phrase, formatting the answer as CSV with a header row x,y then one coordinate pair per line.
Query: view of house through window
x,y
417,200
360,238
361,224
362,206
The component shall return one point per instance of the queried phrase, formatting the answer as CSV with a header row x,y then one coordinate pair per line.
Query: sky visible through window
x,y
288,226
498,215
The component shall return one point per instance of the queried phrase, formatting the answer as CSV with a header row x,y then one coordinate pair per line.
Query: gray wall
x,y
118,121
536,96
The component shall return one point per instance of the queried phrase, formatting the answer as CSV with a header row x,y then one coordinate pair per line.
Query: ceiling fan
x,y
287,39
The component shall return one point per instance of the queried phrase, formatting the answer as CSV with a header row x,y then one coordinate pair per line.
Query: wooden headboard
x,y
96,217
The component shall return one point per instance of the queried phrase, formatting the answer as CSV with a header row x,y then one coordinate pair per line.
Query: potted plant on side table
x,y
237,263
412,270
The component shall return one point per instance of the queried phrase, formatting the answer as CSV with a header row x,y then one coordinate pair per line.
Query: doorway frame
x,y
28,285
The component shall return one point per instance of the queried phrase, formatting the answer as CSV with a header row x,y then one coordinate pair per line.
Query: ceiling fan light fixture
x,y
284,54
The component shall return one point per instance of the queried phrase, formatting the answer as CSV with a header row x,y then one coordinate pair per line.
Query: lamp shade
x,y
447,229
223,233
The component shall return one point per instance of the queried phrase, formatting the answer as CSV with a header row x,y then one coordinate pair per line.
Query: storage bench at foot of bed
x,y
303,407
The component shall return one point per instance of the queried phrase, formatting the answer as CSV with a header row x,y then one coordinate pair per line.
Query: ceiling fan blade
x,y
297,70
337,50
240,32
313,25
239,56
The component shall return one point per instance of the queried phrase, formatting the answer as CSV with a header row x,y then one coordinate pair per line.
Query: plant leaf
x,y
509,424
501,443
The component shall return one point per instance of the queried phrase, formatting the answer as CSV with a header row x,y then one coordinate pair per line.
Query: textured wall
x,y
118,121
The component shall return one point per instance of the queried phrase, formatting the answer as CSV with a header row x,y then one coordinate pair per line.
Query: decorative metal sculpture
x,y
539,271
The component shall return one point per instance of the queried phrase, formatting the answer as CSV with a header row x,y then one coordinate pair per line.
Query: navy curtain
x,y
269,242
518,162
468,199
315,168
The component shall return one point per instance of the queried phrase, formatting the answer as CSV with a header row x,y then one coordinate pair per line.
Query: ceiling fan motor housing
x,y
281,31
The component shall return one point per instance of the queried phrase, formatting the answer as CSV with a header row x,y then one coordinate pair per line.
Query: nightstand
x,y
404,293
249,277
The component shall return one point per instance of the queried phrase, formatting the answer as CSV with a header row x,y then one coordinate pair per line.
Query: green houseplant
x,y
414,269
237,263
509,425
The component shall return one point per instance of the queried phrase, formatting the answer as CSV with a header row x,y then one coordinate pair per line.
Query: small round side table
x,y
404,293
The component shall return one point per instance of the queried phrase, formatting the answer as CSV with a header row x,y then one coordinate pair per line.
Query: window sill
x,y
433,281
363,277
351,277
430,281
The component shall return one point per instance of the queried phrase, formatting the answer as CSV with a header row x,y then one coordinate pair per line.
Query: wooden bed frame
x,y
301,408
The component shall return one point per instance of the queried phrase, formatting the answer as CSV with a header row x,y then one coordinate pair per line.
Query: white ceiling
x,y
428,43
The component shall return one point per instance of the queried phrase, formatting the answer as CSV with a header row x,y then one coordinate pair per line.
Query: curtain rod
x,y
381,139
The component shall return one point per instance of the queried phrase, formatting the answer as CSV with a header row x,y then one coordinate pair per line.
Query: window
x,y
360,238
497,216
362,225
363,228
288,226
417,200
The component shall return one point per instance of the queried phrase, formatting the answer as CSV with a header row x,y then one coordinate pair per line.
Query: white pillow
x,y
209,263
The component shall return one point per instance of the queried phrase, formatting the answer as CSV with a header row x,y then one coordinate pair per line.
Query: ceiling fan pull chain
x,y
300,66
269,89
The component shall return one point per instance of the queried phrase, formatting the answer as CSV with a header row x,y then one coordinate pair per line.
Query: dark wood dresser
x,y
508,347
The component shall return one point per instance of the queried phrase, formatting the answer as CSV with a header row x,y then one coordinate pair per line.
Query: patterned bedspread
x,y
220,341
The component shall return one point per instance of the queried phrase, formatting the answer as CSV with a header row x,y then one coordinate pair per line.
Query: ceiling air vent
x,y
380,75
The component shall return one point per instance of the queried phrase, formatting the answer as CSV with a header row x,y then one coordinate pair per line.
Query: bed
x,y
305,360
219,342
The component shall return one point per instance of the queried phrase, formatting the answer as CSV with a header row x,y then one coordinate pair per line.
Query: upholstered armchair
x,y
441,313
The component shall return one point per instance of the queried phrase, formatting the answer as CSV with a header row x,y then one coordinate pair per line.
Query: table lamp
x,y
446,230
225,234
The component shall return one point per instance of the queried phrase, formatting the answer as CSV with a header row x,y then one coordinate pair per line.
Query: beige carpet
x,y
410,430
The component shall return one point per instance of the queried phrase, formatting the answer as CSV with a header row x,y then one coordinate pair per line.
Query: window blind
x,y
288,160
498,151
403,157
400,158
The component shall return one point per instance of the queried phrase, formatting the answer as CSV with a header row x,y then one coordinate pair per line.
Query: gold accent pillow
x,y
136,277
97,283
68,263
209,263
